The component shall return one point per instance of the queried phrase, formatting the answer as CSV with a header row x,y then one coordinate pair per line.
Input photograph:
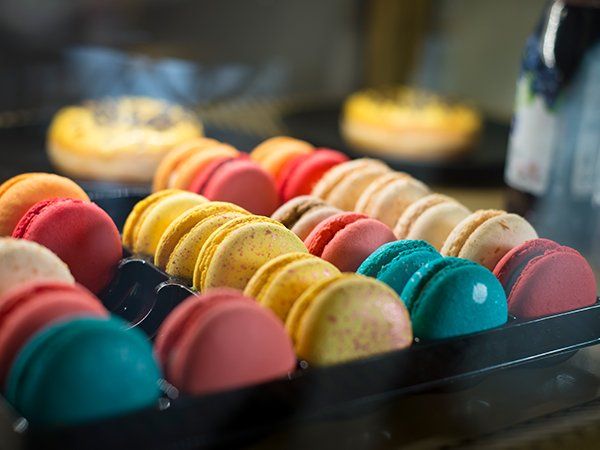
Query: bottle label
x,y
532,141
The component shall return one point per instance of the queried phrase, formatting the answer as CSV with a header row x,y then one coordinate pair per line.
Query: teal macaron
x,y
395,262
83,370
452,297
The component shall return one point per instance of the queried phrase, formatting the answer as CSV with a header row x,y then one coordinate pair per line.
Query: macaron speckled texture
x,y
541,277
20,193
452,297
348,317
238,248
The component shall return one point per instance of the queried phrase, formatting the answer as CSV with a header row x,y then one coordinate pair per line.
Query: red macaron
x,y
240,181
541,277
30,307
80,233
347,239
222,340
299,176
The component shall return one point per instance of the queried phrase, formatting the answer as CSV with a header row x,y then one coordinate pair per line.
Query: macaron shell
x,y
197,162
274,153
282,286
80,233
301,175
435,224
307,223
494,238
387,197
351,318
233,346
347,192
139,212
33,313
184,223
25,261
455,300
182,261
175,157
334,175
244,183
158,219
459,235
236,250
20,193
292,210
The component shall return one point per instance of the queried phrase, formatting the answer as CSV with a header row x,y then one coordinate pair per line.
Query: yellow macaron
x,y
346,317
153,215
238,248
278,283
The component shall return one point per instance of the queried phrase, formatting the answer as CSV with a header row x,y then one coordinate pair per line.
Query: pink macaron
x,y
541,277
299,176
30,307
80,233
240,181
222,340
347,239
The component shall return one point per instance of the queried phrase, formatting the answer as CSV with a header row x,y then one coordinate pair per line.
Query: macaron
x,y
487,235
348,317
183,177
278,283
388,196
237,180
184,223
238,248
541,277
29,307
302,214
347,239
222,340
79,233
452,297
430,218
169,165
20,193
395,263
273,153
151,216
299,175
342,185
25,261
83,370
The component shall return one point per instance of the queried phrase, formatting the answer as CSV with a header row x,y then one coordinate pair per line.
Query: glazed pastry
x,y
20,193
407,123
343,185
452,297
79,233
541,277
431,219
347,239
302,214
348,317
388,196
222,340
486,236
278,283
118,139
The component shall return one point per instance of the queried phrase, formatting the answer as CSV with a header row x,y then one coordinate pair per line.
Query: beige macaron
x,y
386,198
487,235
342,185
430,218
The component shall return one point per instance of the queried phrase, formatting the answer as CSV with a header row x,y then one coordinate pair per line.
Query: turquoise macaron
x,y
453,297
83,370
395,262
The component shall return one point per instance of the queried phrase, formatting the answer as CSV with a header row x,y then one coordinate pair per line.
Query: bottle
x,y
553,163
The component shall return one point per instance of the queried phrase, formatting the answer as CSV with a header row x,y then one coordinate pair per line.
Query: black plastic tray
x,y
144,295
